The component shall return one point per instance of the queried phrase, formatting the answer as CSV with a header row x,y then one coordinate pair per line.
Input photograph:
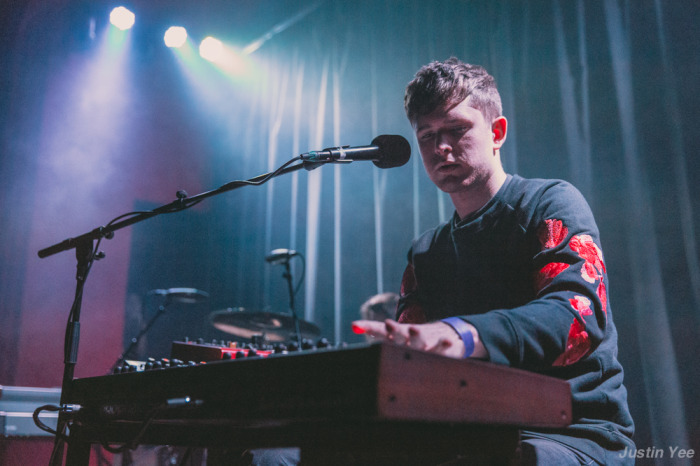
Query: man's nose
x,y
442,146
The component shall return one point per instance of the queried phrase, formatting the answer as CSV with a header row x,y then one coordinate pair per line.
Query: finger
x,y
415,339
395,332
369,327
358,328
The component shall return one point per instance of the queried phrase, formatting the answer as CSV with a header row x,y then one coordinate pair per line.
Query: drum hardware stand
x,y
86,252
135,340
290,286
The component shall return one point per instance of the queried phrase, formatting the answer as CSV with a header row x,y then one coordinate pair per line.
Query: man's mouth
x,y
447,167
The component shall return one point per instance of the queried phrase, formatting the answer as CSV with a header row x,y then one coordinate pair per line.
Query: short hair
x,y
449,83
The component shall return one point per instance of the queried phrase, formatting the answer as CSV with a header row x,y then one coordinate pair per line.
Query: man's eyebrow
x,y
451,121
460,119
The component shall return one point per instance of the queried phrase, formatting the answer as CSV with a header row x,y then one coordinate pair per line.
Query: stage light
x,y
122,18
175,37
212,49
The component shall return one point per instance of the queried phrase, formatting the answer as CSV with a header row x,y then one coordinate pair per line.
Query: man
x,y
516,277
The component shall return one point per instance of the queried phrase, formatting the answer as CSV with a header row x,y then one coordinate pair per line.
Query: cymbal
x,y
275,326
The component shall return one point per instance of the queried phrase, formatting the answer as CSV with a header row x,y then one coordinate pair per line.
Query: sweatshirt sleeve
x,y
567,319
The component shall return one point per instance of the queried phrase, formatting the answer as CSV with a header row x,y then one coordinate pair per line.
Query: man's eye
x,y
426,136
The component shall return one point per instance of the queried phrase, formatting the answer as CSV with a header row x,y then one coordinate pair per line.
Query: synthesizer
x,y
365,381
362,405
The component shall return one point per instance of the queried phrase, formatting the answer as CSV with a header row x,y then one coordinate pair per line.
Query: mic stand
x,y
288,276
135,340
86,254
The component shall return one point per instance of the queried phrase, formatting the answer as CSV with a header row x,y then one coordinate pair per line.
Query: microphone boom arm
x,y
181,203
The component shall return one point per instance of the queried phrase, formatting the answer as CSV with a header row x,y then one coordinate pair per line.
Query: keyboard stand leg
x,y
78,453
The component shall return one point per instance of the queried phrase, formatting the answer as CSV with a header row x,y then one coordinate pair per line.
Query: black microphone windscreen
x,y
395,150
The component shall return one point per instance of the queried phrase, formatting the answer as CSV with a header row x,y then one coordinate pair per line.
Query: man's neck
x,y
469,201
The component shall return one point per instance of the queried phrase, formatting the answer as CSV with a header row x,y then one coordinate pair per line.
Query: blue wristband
x,y
462,329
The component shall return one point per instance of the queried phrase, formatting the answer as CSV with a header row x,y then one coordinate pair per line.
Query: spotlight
x,y
122,18
175,37
212,49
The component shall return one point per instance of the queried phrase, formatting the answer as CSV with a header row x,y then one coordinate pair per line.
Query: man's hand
x,y
435,337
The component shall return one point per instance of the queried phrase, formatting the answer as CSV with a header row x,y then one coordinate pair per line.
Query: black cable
x,y
303,273
136,440
38,422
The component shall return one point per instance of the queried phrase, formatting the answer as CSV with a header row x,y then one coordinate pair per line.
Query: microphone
x,y
280,256
182,295
386,151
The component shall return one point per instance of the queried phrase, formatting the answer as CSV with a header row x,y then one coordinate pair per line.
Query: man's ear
x,y
499,128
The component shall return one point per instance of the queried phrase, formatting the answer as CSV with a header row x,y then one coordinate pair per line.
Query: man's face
x,y
458,147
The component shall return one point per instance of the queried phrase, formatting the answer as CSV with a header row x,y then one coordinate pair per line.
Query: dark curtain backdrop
x,y
602,93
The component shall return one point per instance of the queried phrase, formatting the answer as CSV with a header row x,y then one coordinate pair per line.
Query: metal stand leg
x,y
78,453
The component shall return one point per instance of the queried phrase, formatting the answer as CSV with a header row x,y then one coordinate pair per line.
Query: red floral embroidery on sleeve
x,y
578,342
412,313
547,273
603,295
551,233
589,272
582,305
591,253
593,268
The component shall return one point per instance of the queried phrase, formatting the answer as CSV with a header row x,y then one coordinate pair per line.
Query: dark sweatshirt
x,y
527,271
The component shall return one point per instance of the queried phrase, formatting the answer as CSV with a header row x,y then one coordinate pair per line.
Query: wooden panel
x,y
421,386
